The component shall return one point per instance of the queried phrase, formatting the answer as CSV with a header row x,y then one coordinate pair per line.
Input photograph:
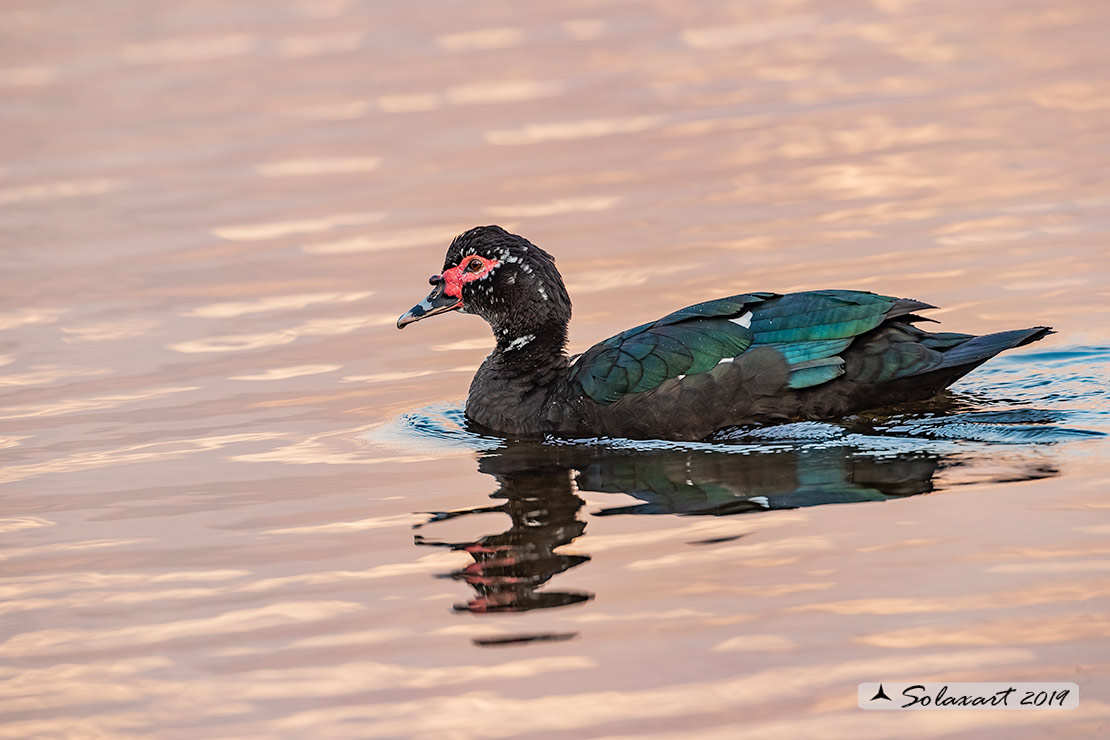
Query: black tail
x,y
978,350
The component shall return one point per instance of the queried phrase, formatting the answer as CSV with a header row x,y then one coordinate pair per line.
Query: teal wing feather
x,y
691,340
809,329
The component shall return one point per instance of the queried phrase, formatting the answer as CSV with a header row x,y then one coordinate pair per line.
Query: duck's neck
x,y
529,350
513,387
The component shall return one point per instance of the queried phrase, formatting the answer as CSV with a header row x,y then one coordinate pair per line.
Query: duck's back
x,y
764,357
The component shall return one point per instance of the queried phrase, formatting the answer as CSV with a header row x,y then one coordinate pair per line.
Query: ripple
x,y
397,239
489,38
190,49
1065,354
57,190
1011,426
749,33
555,207
284,373
90,403
47,374
109,331
318,166
234,309
300,47
28,316
801,431
312,328
27,76
507,91
585,29
439,427
569,130
278,229
409,102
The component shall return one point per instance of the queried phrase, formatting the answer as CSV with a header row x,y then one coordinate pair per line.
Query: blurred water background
x,y
238,504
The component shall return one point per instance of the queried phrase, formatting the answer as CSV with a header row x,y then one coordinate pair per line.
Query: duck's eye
x,y
475,265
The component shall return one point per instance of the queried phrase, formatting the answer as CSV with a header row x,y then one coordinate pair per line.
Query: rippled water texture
x,y
237,503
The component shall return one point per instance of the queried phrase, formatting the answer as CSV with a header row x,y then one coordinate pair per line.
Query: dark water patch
x,y
523,639
715,540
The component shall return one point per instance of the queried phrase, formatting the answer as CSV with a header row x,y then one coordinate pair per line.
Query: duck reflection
x,y
538,483
720,484
542,507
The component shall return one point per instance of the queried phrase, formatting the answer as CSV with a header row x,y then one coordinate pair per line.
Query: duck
x,y
749,359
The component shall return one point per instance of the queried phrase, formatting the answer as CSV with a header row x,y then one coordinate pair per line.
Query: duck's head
x,y
502,277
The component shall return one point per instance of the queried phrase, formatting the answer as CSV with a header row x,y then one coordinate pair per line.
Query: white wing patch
x,y
744,320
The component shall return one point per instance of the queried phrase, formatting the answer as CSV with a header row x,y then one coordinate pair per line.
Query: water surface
x,y
239,504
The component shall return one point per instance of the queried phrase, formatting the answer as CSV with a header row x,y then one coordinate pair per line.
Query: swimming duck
x,y
746,359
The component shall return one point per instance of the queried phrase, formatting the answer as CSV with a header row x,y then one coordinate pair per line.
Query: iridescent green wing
x,y
691,340
809,330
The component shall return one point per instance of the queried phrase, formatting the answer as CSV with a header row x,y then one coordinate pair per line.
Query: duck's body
x,y
751,358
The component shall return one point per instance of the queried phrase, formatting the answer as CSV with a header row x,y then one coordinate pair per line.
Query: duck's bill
x,y
436,302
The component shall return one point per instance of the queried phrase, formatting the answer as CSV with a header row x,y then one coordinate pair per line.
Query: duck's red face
x,y
470,268
500,277
447,293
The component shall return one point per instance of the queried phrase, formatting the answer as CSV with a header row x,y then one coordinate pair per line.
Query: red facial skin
x,y
455,277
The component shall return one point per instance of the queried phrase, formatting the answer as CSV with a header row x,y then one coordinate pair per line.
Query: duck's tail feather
x,y
977,350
